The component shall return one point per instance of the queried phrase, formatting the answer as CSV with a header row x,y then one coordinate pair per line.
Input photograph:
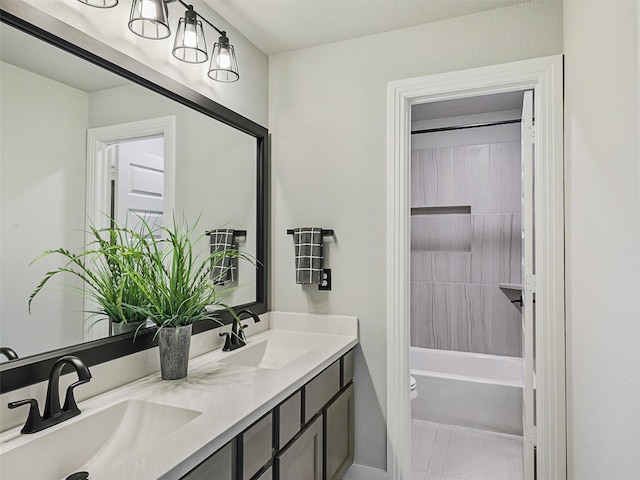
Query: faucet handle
x,y
241,334
27,401
69,400
34,419
227,341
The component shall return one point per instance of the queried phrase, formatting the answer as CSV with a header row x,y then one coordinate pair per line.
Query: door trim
x,y
544,76
98,196
97,169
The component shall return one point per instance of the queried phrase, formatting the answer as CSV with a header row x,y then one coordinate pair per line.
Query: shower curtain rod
x,y
464,127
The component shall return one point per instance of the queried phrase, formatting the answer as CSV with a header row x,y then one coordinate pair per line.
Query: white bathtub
x,y
467,389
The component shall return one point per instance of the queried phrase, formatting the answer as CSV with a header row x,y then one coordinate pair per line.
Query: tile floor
x,y
448,452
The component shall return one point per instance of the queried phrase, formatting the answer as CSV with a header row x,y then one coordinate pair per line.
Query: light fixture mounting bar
x,y
186,5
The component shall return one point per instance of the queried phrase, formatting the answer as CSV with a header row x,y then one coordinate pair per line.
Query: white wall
x,y
602,159
247,96
41,181
327,117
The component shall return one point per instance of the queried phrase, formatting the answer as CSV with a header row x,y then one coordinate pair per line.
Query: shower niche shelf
x,y
511,286
513,291
442,210
441,229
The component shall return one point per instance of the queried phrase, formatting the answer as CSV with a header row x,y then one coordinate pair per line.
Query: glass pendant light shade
x,y
190,45
100,3
149,19
224,66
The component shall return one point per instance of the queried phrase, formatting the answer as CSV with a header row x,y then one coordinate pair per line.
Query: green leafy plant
x,y
176,280
105,267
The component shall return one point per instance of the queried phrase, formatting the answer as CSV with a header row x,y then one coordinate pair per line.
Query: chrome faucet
x,y
53,413
237,339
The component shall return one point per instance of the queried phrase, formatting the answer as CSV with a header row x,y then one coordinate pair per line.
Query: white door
x,y
103,148
528,290
139,187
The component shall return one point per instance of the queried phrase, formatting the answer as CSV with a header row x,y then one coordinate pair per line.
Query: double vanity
x,y
280,407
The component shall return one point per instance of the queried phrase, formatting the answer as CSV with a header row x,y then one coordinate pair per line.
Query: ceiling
x,y
467,106
29,53
277,26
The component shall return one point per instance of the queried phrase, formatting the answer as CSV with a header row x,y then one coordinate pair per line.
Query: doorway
x,y
544,78
137,182
130,174
467,341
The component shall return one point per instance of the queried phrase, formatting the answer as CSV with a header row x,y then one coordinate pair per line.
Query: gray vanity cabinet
x,y
308,436
302,459
338,419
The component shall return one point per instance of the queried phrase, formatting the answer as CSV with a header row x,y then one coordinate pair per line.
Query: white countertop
x,y
230,397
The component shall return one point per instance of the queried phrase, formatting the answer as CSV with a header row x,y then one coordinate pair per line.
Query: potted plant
x,y
177,287
104,268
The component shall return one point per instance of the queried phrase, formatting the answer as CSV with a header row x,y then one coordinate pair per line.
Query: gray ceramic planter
x,y
118,328
174,343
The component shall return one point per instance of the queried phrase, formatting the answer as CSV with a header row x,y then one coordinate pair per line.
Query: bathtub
x,y
467,389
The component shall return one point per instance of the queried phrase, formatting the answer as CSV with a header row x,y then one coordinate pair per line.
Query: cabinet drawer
x,y
302,460
219,466
289,418
320,390
347,368
257,446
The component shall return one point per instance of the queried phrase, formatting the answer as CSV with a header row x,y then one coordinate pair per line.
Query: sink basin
x,y
92,442
269,354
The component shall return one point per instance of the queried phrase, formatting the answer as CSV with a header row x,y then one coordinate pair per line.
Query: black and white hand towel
x,y
224,267
307,242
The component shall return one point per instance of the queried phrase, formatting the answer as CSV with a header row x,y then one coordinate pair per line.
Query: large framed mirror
x,y
88,134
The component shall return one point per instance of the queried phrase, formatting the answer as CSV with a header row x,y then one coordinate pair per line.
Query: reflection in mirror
x,y
80,145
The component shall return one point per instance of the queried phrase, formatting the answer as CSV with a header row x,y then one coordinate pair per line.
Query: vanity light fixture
x,y
150,19
224,66
190,45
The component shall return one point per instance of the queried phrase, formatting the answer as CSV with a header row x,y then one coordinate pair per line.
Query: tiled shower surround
x,y
465,240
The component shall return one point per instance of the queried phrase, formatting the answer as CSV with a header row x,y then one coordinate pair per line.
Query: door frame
x,y
98,194
544,77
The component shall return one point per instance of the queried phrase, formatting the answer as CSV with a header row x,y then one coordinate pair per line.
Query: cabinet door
x,y
219,466
339,435
268,475
302,460
257,446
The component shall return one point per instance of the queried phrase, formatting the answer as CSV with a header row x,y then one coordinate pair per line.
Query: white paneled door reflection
x,y
139,182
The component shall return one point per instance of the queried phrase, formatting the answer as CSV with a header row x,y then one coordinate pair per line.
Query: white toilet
x,y
413,391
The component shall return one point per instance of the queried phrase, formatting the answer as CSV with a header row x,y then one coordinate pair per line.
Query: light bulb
x,y
224,60
148,9
190,36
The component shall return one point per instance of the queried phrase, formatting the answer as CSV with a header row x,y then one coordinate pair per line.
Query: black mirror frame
x,y
27,371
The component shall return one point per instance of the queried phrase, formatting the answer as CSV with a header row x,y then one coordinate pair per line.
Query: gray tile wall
x,y
455,300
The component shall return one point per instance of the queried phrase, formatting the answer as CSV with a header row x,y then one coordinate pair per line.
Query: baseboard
x,y
361,472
